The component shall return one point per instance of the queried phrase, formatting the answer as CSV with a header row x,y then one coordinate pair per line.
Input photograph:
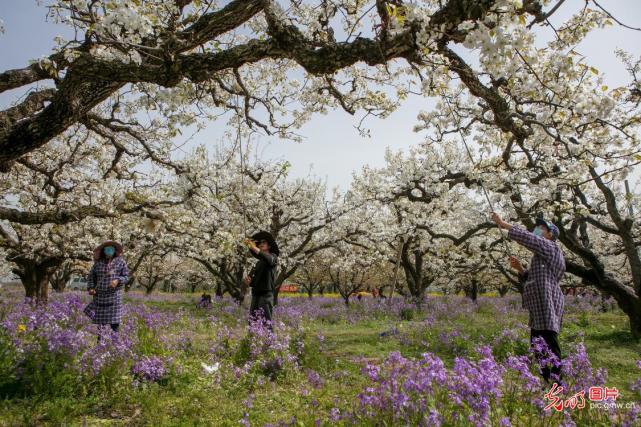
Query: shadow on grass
x,y
617,337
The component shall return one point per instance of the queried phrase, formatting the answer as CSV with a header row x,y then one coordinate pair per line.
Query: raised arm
x,y
270,258
536,244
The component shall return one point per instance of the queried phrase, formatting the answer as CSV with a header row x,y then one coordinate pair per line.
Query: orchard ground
x,y
327,364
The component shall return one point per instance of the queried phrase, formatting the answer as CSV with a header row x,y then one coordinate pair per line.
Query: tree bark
x,y
35,275
88,80
346,300
624,295
472,291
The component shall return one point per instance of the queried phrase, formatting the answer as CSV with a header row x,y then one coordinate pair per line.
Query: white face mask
x,y
538,231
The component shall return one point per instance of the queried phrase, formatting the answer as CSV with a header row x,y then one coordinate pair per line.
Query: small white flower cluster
x,y
112,54
421,15
497,43
466,25
126,24
591,105
578,27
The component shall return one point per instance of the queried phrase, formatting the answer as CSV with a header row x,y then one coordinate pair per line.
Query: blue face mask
x,y
538,232
110,251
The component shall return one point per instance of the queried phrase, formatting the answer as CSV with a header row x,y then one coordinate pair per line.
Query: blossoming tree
x,y
170,55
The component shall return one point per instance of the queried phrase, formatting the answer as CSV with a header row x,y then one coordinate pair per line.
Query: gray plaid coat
x,y
542,295
106,307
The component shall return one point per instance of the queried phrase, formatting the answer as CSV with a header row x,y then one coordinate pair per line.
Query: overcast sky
x,y
332,147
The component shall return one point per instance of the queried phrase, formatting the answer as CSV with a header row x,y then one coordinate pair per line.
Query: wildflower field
x,y
448,361
488,150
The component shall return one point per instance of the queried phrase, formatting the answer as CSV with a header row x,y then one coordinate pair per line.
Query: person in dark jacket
x,y
262,279
542,295
106,279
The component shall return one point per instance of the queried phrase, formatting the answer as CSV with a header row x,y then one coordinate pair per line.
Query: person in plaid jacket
x,y
542,295
106,279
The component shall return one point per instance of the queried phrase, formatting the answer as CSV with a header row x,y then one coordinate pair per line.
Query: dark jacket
x,y
264,273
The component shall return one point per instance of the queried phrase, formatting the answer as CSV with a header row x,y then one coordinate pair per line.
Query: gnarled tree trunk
x,y
35,275
627,299
472,291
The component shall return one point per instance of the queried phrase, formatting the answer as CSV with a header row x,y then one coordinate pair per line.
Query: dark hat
x,y
97,253
267,236
551,227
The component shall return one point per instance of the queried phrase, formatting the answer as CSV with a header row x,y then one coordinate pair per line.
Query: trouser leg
x,y
552,341
253,307
267,305
101,327
262,306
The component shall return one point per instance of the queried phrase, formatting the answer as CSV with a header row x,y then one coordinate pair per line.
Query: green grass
x,y
607,339
191,398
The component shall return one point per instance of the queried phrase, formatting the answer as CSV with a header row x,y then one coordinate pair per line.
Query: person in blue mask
x,y
105,282
542,295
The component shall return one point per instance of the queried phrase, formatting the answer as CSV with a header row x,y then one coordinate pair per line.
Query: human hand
x,y
114,283
496,218
247,280
516,264
250,244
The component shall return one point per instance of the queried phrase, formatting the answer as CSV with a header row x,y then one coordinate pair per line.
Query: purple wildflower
x,y
150,369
